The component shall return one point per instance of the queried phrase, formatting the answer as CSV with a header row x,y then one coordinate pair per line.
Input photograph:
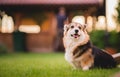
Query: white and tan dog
x,y
79,51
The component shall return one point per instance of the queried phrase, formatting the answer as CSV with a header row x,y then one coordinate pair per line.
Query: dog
x,y
81,53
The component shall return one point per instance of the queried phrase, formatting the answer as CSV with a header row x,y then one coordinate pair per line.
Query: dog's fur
x,y
80,52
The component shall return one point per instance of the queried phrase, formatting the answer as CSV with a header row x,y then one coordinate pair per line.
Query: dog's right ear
x,y
66,28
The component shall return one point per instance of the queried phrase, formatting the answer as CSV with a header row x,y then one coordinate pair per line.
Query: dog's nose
x,y
76,31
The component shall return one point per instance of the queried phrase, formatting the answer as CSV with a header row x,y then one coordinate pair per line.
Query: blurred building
x,y
36,19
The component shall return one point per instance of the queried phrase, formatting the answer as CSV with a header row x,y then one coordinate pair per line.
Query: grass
x,y
44,65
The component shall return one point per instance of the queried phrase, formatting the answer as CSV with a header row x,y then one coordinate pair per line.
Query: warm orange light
x,y
89,23
110,12
79,19
29,28
7,24
101,23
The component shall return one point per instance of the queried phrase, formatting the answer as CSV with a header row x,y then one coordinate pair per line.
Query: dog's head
x,y
75,30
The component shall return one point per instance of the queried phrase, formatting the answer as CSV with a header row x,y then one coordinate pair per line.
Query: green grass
x,y
44,65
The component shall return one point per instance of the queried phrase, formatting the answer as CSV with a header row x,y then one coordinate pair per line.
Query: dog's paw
x,y
85,68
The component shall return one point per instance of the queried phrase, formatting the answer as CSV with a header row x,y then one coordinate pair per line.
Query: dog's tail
x,y
117,58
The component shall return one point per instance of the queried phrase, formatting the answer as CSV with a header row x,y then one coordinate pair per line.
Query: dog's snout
x,y
76,31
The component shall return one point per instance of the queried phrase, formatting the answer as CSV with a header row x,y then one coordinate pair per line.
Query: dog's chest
x,y
69,50
72,60
69,56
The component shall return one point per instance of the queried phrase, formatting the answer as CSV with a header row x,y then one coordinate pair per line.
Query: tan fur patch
x,y
87,59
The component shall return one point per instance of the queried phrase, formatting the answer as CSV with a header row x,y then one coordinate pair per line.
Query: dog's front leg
x,y
87,63
84,66
74,65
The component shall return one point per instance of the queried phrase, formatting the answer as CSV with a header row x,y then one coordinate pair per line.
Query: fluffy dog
x,y
80,52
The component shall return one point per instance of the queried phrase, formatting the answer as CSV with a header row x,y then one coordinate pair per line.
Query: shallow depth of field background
x,y
29,40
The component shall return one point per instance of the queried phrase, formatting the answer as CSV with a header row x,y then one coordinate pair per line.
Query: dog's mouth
x,y
75,35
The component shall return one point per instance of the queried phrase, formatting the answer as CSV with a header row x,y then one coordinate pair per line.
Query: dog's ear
x,y
66,28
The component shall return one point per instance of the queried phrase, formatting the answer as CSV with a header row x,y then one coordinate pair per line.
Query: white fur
x,y
85,68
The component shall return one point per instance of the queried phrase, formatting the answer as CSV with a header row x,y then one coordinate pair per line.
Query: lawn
x,y
44,65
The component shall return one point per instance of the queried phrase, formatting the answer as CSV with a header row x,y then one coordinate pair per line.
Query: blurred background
x,y
37,25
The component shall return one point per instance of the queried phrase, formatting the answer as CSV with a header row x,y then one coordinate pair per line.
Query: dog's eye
x,y
72,26
79,27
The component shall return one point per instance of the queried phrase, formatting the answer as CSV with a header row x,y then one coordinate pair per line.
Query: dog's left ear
x,y
66,28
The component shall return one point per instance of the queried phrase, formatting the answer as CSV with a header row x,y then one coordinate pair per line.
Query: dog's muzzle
x,y
75,35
